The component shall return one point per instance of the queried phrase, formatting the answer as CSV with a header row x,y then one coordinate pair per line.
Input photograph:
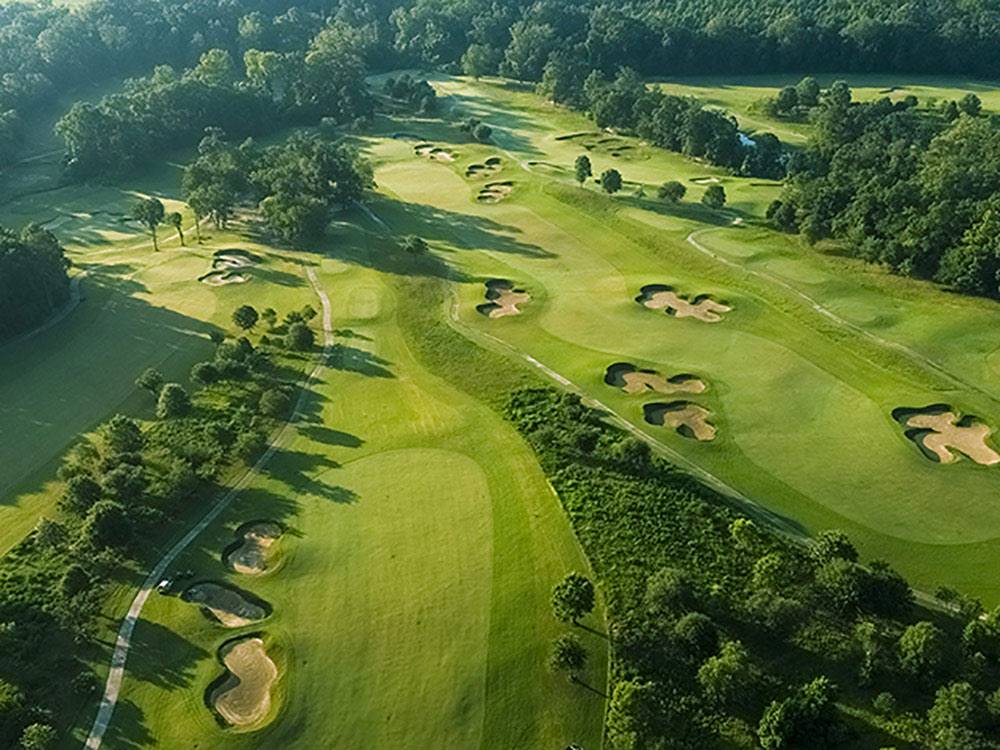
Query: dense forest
x,y
50,50
915,189
725,632
33,280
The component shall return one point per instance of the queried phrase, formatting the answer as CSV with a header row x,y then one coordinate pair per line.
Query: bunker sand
x,y
943,435
503,299
662,297
227,605
689,420
243,697
633,381
494,192
250,555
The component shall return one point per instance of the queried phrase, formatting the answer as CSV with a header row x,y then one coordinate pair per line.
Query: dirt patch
x,y
663,297
494,192
942,434
688,419
230,607
633,380
503,299
250,554
242,696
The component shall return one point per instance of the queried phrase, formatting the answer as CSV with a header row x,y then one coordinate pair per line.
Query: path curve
x,y
123,642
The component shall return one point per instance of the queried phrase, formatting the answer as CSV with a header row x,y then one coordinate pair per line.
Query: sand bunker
x,y
503,299
243,696
941,434
490,166
434,152
232,608
688,419
226,265
705,180
632,380
221,278
494,192
249,556
663,297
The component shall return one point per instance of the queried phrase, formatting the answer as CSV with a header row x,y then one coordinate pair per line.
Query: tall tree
x,y
150,213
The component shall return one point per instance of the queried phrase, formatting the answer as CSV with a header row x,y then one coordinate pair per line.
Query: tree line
x,y
724,633
914,188
50,49
322,80
33,278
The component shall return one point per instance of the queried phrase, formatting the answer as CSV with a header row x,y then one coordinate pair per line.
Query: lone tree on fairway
x,y
583,169
174,401
151,380
714,197
572,598
149,212
568,655
245,317
611,181
671,191
175,220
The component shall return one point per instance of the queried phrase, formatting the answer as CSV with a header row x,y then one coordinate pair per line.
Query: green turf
x,y
803,403
412,594
414,581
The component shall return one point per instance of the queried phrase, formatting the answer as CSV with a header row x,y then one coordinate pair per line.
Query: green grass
x,y
411,600
803,404
738,93
413,588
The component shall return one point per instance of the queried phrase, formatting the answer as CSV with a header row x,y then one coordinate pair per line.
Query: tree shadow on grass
x,y
302,473
352,359
128,727
695,212
330,436
161,657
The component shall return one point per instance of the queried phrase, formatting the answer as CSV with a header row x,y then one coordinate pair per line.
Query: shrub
x,y
300,337
276,402
173,402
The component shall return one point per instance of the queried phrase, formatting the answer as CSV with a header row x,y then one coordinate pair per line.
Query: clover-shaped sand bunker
x,y
436,153
942,434
663,297
490,166
688,419
227,266
242,696
632,380
503,299
251,553
229,606
494,192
